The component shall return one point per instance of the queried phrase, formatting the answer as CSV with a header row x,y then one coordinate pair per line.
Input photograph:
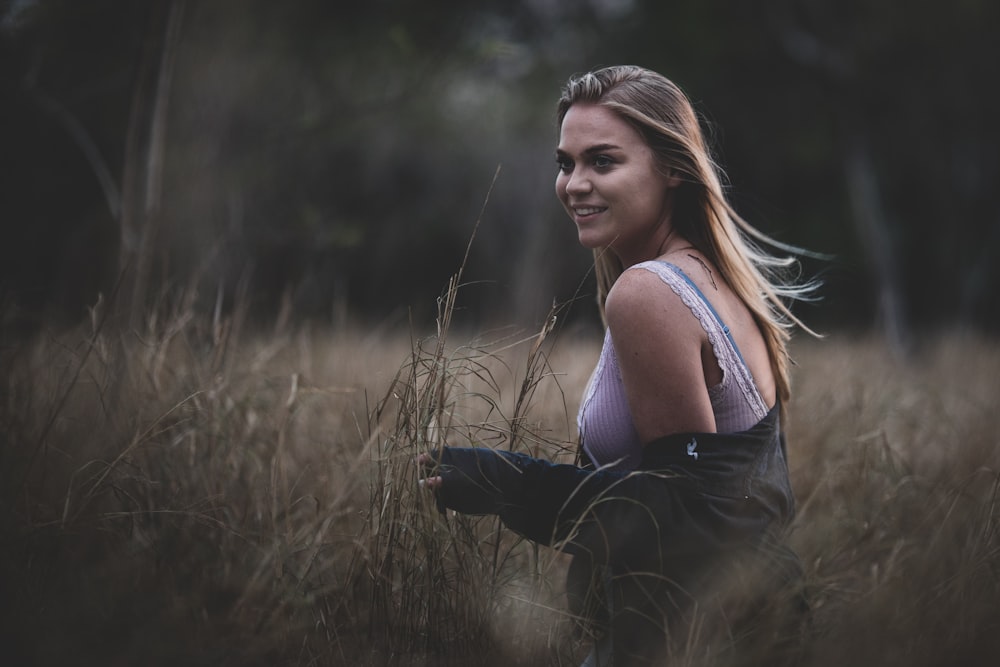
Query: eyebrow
x,y
597,148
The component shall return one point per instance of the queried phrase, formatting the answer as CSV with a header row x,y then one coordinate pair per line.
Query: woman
x,y
686,491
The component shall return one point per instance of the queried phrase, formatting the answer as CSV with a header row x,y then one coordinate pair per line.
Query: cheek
x,y
561,186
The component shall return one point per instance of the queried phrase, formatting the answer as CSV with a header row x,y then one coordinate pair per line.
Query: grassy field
x,y
201,494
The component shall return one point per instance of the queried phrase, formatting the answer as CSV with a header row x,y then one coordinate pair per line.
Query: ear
x,y
674,179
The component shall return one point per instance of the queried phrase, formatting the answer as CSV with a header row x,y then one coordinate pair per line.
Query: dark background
x,y
334,157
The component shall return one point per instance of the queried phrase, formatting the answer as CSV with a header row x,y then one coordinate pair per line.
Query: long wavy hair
x,y
665,118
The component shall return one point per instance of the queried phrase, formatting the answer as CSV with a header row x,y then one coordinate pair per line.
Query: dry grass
x,y
200,494
897,467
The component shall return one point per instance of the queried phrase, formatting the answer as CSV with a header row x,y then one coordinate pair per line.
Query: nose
x,y
577,183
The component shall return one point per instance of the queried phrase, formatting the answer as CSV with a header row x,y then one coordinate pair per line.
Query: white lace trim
x,y
726,354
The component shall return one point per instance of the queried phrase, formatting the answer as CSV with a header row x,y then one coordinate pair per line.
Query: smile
x,y
588,210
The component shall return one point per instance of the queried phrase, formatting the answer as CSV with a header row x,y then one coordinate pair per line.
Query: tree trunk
x,y
142,178
873,230
838,68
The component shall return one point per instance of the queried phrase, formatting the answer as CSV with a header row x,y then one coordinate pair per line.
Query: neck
x,y
667,242
671,242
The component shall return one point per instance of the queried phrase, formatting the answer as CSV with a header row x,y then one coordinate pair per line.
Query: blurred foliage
x,y
338,157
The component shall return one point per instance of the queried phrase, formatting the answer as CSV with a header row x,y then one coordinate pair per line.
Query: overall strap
x,y
711,308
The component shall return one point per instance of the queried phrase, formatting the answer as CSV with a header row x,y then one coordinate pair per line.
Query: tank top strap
x,y
723,344
708,304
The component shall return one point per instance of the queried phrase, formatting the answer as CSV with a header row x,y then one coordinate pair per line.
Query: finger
x,y
426,460
430,482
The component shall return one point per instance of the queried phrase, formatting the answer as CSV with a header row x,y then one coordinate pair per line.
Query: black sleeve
x,y
541,500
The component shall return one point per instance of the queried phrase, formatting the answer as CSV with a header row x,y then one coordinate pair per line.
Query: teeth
x,y
587,211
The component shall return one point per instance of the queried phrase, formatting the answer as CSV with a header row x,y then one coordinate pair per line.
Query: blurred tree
x,y
141,211
338,158
65,75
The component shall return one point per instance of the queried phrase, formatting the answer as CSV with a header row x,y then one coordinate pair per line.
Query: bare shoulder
x,y
641,304
632,289
658,345
637,291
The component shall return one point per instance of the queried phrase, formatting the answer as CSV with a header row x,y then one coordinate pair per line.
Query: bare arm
x,y
659,345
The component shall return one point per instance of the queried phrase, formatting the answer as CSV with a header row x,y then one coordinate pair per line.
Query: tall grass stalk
x,y
207,492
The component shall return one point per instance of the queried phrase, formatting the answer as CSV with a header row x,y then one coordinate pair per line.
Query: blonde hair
x,y
665,118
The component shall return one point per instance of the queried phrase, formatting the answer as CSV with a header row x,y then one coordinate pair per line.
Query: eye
x,y
603,162
564,163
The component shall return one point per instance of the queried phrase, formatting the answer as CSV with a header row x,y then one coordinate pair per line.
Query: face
x,y
610,186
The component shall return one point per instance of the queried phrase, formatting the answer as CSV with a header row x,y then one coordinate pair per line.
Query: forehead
x,y
587,125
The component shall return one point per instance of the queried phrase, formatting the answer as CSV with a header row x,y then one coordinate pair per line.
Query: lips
x,y
584,211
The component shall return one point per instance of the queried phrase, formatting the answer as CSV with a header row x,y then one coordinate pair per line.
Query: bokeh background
x,y
222,222
333,158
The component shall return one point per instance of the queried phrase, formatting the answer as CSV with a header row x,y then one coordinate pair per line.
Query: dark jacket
x,y
698,503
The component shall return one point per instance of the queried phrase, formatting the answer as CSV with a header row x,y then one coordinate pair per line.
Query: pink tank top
x,y
606,428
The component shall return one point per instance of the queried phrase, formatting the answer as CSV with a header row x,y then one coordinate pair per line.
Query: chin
x,y
591,243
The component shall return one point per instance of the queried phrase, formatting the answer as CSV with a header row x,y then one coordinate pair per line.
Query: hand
x,y
426,462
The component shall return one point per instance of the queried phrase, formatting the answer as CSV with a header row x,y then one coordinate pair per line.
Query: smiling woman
x,y
610,185
685,488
